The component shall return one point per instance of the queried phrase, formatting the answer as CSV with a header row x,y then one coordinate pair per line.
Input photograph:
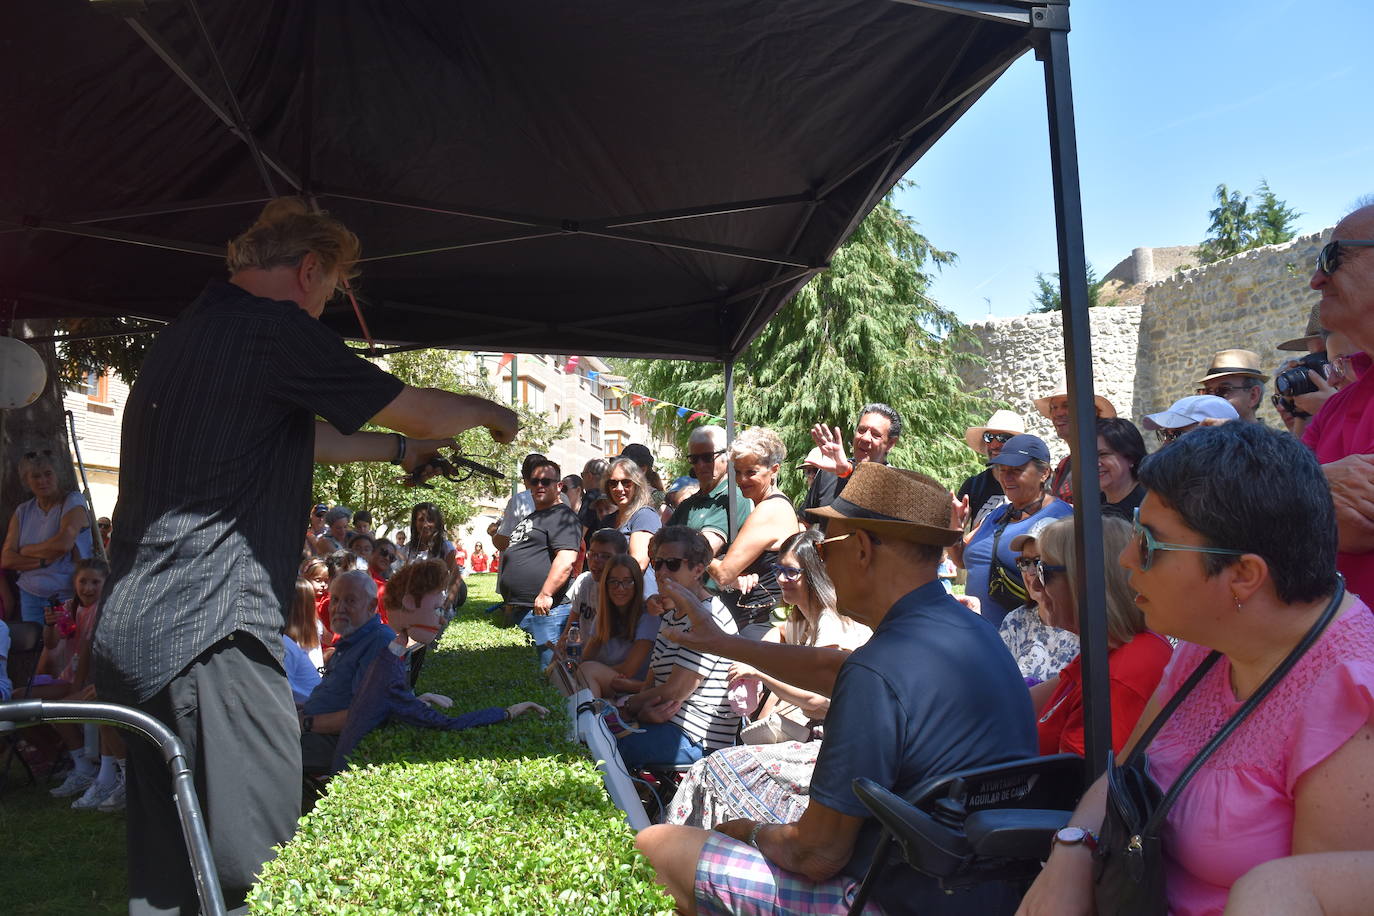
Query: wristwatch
x,y
308,724
1075,836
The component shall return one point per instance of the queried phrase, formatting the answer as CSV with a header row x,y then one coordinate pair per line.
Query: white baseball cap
x,y
1193,409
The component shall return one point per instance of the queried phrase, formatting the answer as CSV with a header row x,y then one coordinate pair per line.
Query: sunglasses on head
x,y
1147,545
1329,258
1003,438
706,456
673,563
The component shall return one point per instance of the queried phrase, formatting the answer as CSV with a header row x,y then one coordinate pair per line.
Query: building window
x,y
96,386
613,447
613,404
595,431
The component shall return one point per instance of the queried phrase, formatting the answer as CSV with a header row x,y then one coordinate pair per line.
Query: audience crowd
x,y
754,658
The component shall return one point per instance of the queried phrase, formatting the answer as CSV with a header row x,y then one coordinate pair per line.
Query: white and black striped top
x,y
706,715
215,476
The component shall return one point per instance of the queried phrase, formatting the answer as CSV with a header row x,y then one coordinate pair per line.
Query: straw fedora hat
x,y
1234,362
1002,421
1042,404
894,503
1312,334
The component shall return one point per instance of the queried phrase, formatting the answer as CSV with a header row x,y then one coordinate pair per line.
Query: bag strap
x,y
1272,681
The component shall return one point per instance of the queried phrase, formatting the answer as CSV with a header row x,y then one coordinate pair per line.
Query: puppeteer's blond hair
x,y
286,231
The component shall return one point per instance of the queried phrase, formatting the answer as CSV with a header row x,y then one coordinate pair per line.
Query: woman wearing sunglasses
x,y
1135,656
768,777
757,455
634,515
1235,553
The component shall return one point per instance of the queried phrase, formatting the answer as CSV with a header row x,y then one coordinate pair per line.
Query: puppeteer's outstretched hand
x,y
519,709
831,443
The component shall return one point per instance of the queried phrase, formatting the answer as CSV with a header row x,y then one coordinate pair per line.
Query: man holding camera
x,y
1342,433
1235,375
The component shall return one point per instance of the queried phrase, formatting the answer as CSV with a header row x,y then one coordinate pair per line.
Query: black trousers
x,y
233,710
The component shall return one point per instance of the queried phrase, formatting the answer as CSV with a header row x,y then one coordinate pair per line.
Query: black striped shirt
x,y
705,716
215,476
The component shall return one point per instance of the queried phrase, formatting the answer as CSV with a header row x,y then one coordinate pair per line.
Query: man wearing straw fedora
x,y
981,493
1055,408
933,691
1235,375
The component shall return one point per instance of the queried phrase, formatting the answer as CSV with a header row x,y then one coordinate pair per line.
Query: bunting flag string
x,y
689,414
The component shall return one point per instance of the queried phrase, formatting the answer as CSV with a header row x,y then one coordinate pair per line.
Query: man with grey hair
x,y
335,531
707,510
875,434
1342,433
353,618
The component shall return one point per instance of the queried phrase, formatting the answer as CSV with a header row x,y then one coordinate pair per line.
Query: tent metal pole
x,y
1053,50
732,508
113,235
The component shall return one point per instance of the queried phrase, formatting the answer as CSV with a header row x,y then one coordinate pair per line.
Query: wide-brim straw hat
x,y
891,502
1002,421
1234,362
1042,404
812,460
1312,333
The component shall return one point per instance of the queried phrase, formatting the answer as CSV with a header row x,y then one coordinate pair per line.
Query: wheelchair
x,y
992,823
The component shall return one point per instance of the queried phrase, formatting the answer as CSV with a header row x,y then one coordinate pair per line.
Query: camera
x,y
1293,381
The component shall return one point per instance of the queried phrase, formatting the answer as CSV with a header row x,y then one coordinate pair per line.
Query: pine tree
x,y
1046,297
1238,223
862,331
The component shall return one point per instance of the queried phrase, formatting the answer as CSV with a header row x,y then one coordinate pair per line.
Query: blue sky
x,y
1171,98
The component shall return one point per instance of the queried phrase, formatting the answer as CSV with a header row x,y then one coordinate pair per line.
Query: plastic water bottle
x,y
573,648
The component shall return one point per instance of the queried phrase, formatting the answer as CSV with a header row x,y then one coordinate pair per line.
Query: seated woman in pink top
x,y
1236,552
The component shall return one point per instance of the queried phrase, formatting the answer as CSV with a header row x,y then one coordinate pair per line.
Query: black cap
x,y
639,454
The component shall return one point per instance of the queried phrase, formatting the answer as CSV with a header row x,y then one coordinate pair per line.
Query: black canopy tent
x,y
618,178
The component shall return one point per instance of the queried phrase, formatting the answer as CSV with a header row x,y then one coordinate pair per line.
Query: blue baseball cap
x,y
1020,449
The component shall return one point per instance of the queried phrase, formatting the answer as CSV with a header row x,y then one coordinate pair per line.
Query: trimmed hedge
x,y
509,818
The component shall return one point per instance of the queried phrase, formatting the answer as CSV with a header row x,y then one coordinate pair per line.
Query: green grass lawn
x,y
507,819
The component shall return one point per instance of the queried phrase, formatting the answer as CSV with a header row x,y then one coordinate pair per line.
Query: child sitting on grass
x,y
413,597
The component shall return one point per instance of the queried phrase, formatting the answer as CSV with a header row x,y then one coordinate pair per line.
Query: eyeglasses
x,y
1223,391
1044,571
1340,366
820,545
1169,435
612,484
1003,438
601,555
786,573
706,456
1146,543
1329,258
620,583
543,481
673,563
104,526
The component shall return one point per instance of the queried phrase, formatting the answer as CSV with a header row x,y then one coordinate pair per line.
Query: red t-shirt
x,y
479,562
1345,426
1134,670
460,557
381,594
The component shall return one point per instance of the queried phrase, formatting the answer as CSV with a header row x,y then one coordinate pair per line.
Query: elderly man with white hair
x,y
353,618
707,510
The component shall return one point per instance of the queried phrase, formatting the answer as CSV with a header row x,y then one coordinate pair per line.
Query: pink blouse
x,y
1237,812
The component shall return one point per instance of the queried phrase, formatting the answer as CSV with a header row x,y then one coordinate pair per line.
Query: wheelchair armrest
x,y
929,847
1014,833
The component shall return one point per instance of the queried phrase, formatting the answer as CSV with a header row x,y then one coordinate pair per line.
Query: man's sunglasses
x,y
705,456
1329,258
1167,436
786,573
1147,545
1223,391
673,563
543,481
1004,438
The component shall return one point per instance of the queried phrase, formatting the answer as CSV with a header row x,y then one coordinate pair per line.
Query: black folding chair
x,y
993,823
18,714
26,648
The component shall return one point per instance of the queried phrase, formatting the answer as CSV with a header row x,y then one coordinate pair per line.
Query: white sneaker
x,y
116,799
75,783
93,796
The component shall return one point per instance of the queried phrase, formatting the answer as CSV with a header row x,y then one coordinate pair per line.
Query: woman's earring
x,y
1236,599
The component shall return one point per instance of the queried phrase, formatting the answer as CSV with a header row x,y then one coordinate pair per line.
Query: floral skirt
x,y
762,782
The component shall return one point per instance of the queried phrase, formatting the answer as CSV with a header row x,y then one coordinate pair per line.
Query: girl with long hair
x,y
622,634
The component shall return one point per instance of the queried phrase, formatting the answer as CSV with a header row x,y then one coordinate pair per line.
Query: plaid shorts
x,y
734,879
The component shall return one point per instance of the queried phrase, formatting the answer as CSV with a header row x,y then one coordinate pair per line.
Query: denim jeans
x,y
545,629
662,742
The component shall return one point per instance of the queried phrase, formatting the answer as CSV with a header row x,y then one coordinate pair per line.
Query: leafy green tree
x,y
1046,297
862,331
377,487
1239,223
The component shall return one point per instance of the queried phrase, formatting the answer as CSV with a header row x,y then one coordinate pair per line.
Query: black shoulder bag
x,y
1129,866
1006,588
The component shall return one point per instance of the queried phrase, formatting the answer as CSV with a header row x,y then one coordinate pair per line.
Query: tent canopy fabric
x,y
620,178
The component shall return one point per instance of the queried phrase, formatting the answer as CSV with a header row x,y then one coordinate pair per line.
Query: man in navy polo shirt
x,y
933,691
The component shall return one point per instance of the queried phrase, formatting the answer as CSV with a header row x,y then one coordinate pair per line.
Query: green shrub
x,y
510,818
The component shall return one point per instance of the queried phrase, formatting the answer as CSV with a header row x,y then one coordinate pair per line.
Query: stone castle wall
x,y
1146,357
